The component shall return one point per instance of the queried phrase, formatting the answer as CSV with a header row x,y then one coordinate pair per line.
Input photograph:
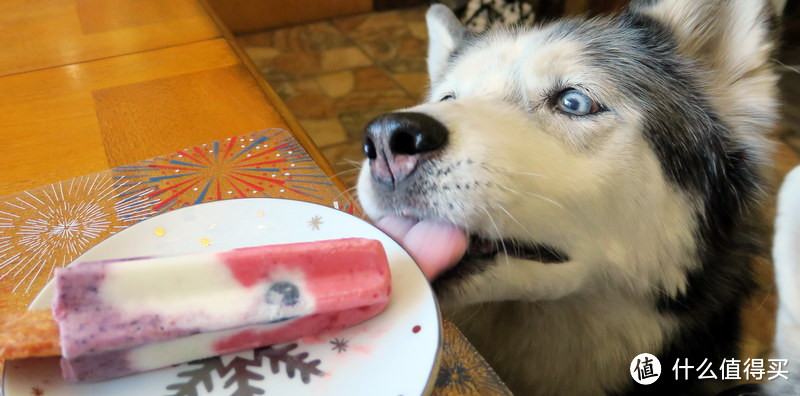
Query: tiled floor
x,y
336,75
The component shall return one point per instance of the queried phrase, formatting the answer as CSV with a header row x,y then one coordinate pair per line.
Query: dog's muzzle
x,y
397,143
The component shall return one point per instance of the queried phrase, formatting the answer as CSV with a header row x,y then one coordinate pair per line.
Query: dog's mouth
x,y
487,248
444,251
481,251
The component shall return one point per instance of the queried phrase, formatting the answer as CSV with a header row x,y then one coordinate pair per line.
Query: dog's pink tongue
x,y
435,246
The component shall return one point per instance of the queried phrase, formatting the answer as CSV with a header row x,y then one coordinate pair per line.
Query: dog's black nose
x,y
395,142
406,133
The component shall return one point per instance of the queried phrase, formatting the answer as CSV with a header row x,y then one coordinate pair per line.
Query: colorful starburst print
x,y
267,163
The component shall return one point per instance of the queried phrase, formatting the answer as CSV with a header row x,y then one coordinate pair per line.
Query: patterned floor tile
x,y
416,84
301,38
335,76
337,84
302,51
326,131
396,40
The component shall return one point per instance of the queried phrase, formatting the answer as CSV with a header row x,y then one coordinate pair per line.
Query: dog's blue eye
x,y
576,102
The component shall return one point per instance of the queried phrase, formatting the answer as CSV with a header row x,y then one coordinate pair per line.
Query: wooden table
x,y
90,85
102,83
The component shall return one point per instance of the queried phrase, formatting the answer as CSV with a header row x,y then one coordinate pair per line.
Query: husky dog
x,y
609,175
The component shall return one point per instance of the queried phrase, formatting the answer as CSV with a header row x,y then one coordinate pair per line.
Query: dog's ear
x,y
735,34
445,32
730,39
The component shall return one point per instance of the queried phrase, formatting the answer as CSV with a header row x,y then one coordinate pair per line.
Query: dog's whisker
x,y
767,294
346,171
533,195
352,191
516,221
792,68
354,163
475,313
526,174
568,212
499,234
495,169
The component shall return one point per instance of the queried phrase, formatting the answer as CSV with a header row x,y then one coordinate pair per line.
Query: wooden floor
x,y
50,33
91,84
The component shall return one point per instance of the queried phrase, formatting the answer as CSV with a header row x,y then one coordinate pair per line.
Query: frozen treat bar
x,y
126,316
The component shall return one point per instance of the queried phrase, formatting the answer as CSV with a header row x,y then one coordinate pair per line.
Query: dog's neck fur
x,y
576,343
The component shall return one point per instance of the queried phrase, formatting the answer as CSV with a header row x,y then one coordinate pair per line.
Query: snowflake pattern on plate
x,y
245,371
339,344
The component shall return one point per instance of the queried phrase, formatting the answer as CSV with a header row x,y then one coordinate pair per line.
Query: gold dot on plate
x,y
205,241
260,213
159,231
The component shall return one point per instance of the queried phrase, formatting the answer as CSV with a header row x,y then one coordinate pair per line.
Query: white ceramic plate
x,y
394,353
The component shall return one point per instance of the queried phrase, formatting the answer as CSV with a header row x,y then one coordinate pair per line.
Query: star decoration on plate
x,y
315,222
339,345
37,391
205,242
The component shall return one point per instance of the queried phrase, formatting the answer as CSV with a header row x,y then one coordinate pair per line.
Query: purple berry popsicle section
x,y
88,324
